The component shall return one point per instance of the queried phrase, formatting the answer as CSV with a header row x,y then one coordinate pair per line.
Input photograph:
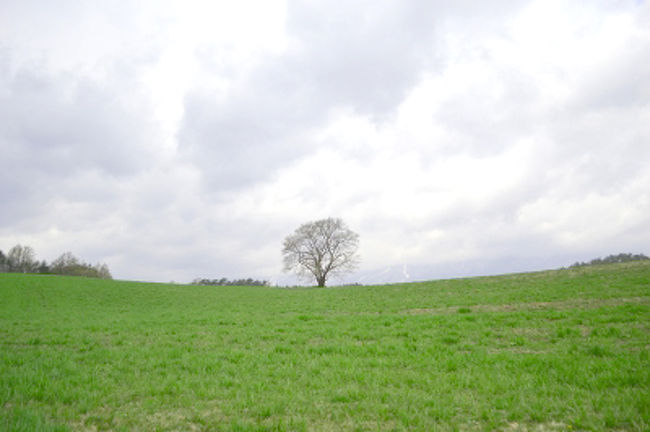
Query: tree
x,y
70,265
102,271
611,259
321,249
3,262
64,263
41,267
228,282
21,259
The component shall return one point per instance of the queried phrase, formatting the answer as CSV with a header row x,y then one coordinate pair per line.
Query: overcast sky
x,y
182,139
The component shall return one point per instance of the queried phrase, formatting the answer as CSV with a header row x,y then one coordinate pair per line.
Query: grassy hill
x,y
556,350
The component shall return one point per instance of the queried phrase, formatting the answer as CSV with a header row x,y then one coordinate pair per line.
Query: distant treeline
x,y
228,282
20,259
611,259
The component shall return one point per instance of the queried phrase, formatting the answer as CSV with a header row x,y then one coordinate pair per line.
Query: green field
x,y
549,351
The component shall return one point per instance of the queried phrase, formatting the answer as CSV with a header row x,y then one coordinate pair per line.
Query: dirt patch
x,y
556,305
542,427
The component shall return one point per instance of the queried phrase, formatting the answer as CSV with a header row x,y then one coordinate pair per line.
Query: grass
x,y
550,351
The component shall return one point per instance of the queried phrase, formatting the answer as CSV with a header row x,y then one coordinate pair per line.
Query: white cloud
x,y
182,139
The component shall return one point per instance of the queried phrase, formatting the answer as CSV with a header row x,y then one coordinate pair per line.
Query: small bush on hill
x,y
228,282
612,259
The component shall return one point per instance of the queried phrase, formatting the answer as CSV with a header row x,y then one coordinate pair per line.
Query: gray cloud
x,y
236,144
363,57
446,140
56,127
70,126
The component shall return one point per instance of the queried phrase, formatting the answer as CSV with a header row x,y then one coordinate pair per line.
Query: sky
x,y
173,140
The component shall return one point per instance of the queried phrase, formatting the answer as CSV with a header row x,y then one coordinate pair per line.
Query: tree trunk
x,y
321,281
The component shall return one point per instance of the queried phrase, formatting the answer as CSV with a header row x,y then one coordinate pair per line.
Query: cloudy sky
x,y
182,139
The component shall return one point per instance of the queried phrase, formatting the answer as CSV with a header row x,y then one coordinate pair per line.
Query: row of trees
x,y
315,251
21,259
611,259
228,282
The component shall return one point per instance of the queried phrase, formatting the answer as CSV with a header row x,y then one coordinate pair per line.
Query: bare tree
x,y
63,262
321,249
21,259
102,271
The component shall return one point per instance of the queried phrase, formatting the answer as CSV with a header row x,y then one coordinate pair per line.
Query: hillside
x,y
554,350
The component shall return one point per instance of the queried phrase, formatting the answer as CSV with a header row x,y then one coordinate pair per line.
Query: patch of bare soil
x,y
557,305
